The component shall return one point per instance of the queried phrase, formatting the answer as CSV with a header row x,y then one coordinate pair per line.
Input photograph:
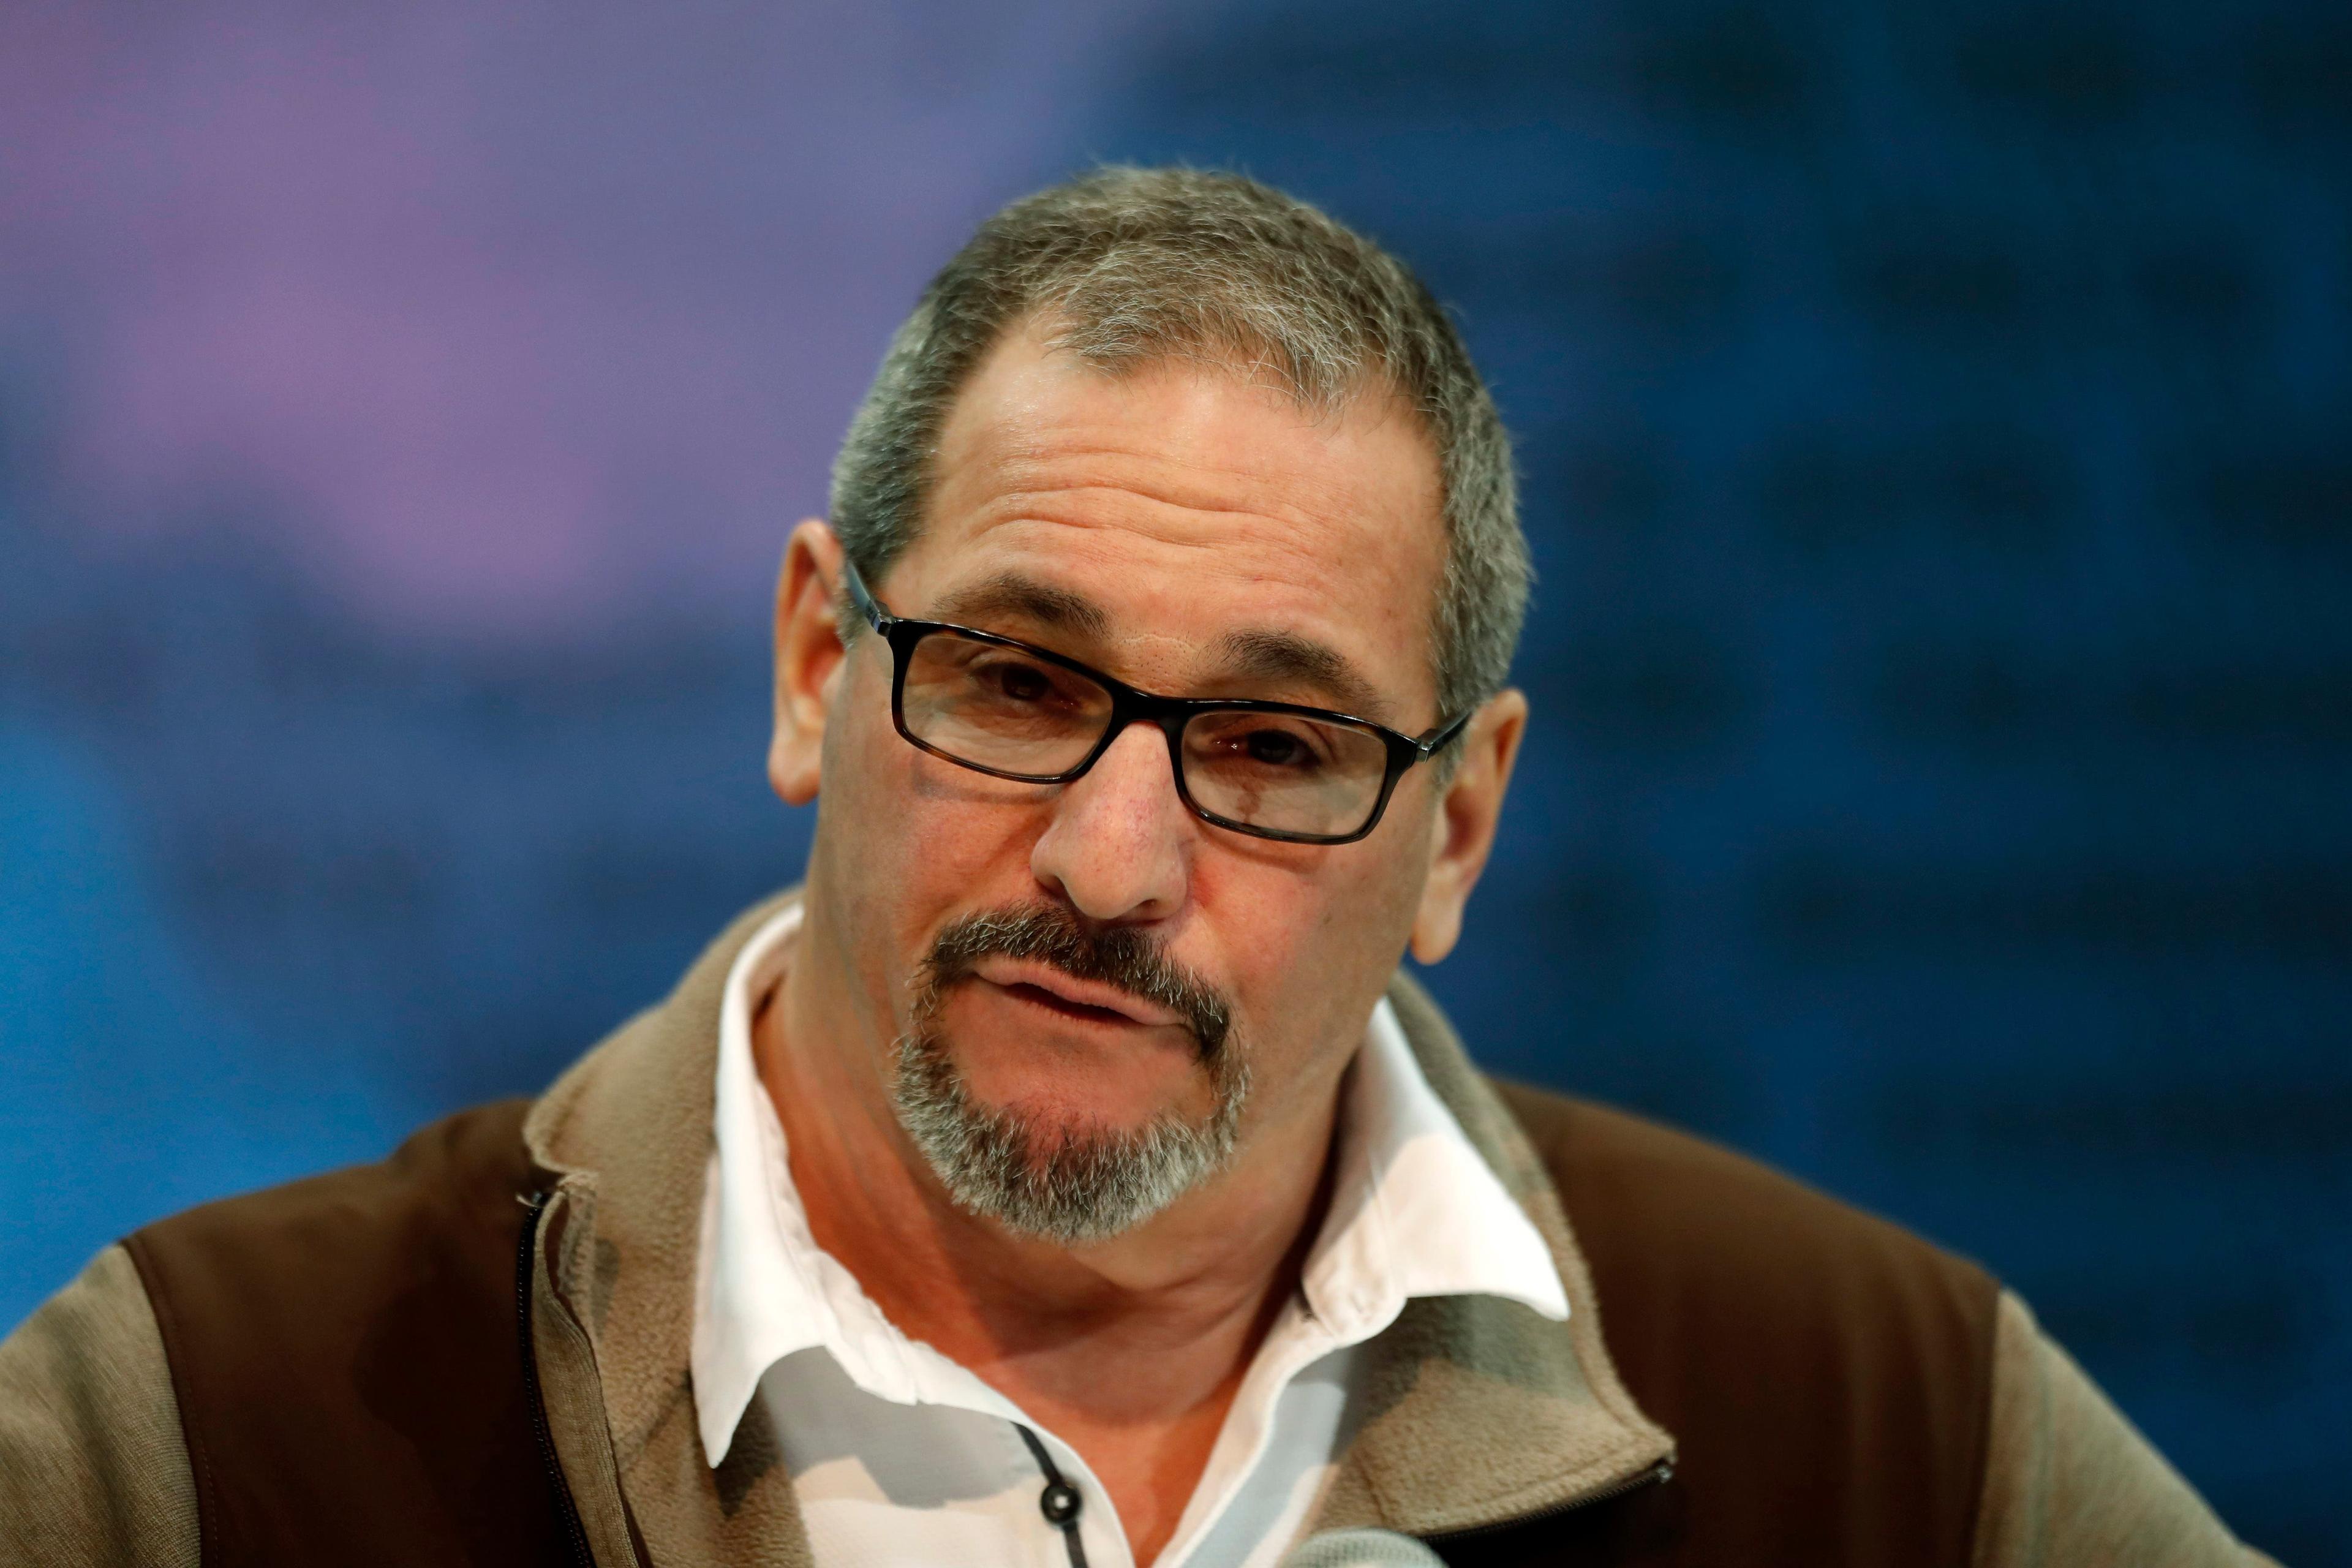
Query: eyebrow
x,y
1260,654
1010,593
1271,656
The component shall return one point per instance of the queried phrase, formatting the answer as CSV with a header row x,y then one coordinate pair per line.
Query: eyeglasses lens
x,y
1283,772
1001,708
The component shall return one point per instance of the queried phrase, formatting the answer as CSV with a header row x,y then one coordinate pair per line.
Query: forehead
x,y
1200,509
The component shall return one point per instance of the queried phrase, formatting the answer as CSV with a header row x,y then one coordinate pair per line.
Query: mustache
x,y
1118,956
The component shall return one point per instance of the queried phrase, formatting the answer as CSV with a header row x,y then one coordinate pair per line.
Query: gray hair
x,y
1137,266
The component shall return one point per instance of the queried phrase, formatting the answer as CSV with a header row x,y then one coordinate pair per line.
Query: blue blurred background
x,y
1935,430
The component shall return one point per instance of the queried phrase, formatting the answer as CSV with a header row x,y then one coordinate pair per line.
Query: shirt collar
x,y
1415,1211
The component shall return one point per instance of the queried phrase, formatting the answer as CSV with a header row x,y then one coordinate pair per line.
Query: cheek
x,y
1309,950
914,840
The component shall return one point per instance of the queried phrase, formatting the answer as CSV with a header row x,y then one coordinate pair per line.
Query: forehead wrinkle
x,y
1192,525
1085,463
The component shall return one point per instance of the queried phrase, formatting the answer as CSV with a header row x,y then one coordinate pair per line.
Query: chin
x,y
1055,1106
1048,1163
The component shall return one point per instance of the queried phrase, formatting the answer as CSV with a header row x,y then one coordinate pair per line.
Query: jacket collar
x,y
1477,1410
1415,1211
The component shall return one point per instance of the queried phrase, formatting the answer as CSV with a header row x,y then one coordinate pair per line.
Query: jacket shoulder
x,y
245,1287
1840,1364
1725,1213
344,1354
438,1173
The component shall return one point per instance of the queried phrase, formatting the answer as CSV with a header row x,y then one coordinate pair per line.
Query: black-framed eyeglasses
x,y
1012,710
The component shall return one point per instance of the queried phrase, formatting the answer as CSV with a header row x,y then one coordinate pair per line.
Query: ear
x,y
808,659
1463,832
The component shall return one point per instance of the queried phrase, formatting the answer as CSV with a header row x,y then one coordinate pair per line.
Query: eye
x,y
1278,748
1019,682
1299,750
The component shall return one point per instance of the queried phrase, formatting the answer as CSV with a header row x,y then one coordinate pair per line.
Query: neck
x,y
1130,1349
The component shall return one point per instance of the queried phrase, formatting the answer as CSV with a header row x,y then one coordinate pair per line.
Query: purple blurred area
x,y
498,320
1936,428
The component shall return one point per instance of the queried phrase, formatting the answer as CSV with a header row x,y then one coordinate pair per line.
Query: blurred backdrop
x,y
1937,425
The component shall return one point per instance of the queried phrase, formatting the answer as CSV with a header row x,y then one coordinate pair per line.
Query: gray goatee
x,y
1062,1183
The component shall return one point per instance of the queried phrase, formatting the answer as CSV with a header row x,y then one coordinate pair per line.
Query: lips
x,y
1047,987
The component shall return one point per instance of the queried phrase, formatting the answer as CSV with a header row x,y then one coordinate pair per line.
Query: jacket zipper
x,y
1656,1475
576,1535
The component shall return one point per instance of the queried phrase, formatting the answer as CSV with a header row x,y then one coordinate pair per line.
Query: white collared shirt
x,y
900,1455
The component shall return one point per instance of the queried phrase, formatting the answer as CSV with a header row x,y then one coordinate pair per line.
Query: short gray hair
x,y
1136,266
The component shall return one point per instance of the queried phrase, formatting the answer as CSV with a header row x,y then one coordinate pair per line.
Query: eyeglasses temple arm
x,y
1435,741
861,597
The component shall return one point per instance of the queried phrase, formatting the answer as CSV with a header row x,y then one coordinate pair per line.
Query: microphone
x,y
1361,1549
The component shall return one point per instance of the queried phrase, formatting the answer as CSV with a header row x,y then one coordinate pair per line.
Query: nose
x,y
1119,845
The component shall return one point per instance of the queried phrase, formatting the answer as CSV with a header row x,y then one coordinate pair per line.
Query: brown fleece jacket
x,y
402,1362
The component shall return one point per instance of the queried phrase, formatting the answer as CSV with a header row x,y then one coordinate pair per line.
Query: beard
x,y
1063,1181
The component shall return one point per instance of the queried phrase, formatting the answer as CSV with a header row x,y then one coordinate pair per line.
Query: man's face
x,y
1192,534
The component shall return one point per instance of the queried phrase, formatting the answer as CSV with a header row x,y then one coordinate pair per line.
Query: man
x,y
1065,1172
